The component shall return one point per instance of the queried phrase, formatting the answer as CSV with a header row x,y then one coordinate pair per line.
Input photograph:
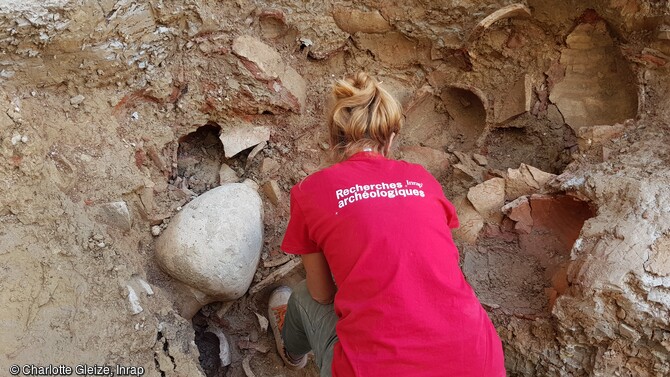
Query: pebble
x,y
251,183
76,100
98,237
156,230
24,139
481,160
15,139
101,244
135,116
306,42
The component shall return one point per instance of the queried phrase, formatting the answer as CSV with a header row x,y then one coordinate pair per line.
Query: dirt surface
x,y
110,123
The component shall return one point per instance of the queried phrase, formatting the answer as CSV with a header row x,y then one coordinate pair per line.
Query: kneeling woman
x,y
384,294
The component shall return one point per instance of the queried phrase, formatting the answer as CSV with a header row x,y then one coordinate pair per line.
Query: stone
x,y
525,180
353,20
286,87
134,301
147,198
77,100
137,287
244,136
435,161
213,245
659,257
15,139
514,102
479,159
156,230
269,166
471,222
227,175
468,168
115,214
262,322
629,333
251,184
519,211
488,198
273,192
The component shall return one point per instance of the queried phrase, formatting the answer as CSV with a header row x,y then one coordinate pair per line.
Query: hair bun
x,y
363,81
364,115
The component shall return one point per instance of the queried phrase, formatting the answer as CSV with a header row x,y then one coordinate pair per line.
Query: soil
x,y
107,102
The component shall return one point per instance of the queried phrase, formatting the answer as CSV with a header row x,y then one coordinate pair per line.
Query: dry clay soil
x,y
586,296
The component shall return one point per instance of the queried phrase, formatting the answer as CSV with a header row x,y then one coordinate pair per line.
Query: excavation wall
x,y
546,122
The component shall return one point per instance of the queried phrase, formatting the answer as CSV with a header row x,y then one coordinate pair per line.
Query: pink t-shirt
x,y
403,304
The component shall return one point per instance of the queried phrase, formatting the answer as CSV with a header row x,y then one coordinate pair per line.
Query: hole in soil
x,y
537,144
272,24
523,272
208,346
199,159
467,113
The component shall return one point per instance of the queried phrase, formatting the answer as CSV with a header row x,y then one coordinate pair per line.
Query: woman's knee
x,y
300,294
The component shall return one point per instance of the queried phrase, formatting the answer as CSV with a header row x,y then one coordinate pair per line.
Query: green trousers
x,y
310,326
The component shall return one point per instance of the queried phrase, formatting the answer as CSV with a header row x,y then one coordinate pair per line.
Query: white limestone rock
x,y
115,214
213,245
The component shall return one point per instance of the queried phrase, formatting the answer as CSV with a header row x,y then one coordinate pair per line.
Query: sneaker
x,y
276,314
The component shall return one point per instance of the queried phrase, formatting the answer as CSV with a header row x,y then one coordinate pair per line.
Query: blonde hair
x,y
364,115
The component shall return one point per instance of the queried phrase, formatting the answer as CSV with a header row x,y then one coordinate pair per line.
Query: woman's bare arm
x,y
320,282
